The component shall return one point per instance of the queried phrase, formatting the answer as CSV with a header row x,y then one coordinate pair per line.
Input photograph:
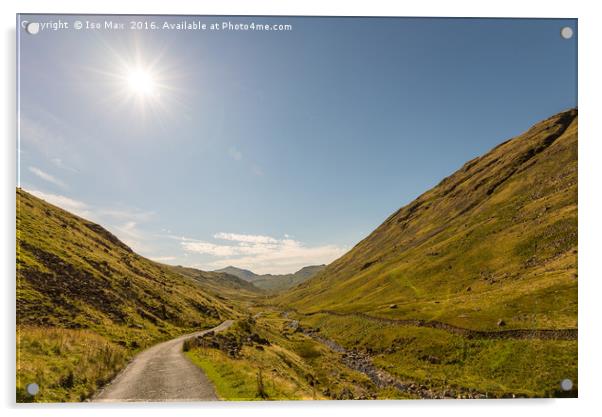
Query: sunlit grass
x,y
67,365
437,358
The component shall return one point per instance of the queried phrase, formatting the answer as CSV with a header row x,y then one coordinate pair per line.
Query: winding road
x,y
162,373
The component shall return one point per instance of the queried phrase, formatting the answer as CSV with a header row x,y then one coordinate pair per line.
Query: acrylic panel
x,y
295,208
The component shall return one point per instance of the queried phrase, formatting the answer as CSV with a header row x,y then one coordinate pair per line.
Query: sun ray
x,y
140,82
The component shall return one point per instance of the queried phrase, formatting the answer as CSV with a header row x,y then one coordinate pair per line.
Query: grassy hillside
x,y
492,247
496,239
239,272
469,291
268,357
220,281
81,290
282,282
274,282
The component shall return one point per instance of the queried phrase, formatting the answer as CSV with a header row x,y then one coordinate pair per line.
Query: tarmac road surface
x,y
162,373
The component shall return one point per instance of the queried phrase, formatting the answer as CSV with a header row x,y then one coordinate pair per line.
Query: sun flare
x,y
141,82
142,86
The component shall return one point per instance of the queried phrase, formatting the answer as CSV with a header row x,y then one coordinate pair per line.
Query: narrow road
x,y
162,373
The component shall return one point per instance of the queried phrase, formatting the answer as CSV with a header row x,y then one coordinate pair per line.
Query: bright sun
x,y
141,83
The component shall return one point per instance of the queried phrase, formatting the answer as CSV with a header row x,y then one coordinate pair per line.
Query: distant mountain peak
x,y
238,272
274,282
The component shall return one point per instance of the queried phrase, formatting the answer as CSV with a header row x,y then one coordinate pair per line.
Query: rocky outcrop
x,y
229,343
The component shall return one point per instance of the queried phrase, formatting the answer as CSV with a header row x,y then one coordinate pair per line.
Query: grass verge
x,y
67,365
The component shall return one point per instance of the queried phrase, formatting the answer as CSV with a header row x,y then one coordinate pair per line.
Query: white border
x,y
590,212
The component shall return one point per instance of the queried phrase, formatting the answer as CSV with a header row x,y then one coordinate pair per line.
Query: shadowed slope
x,y
81,290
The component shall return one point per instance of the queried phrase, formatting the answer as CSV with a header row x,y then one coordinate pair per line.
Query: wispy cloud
x,y
59,163
237,155
126,223
125,215
257,170
132,235
39,136
236,237
209,248
44,134
74,206
163,259
260,253
234,153
47,177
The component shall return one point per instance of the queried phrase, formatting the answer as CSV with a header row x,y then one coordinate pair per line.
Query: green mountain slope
x,y
78,286
472,286
285,281
496,240
239,272
219,280
274,282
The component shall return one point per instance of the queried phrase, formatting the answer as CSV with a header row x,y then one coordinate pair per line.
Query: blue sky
x,y
273,150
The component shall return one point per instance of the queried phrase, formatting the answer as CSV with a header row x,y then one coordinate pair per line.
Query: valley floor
x,y
346,356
